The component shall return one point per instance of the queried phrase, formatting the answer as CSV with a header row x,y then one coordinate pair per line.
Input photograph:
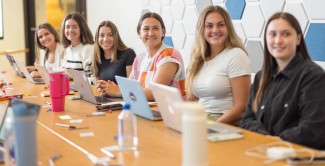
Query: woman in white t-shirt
x,y
218,75
49,51
78,42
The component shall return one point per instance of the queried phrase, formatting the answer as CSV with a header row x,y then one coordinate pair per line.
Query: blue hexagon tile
x,y
235,8
168,41
315,40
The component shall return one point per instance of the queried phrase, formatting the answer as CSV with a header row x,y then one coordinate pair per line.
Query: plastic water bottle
x,y
127,129
194,134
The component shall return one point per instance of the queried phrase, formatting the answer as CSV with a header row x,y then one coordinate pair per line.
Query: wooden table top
x,y
158,145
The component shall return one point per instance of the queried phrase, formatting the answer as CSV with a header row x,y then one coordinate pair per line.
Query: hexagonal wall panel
x,y
253,21
217,2
144,11
315,40
187,50
145,3
168,41
189,2
166,15
165,2
255,54
200,5
235,8
178,34
267,10
190,19
155,6
240,31
178,8
299,12
315,9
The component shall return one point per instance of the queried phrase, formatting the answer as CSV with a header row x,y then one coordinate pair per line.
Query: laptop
x,y
167,96
43,72
6,117
46,76
14,65
132,93
85,91
22,67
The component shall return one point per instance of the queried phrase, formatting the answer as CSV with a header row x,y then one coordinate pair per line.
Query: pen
x,y
52,159
108,153
70,127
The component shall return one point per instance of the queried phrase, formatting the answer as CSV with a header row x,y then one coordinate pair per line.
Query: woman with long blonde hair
x,y
219,71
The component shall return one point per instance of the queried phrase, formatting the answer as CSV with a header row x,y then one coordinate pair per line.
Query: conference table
x,y
158,144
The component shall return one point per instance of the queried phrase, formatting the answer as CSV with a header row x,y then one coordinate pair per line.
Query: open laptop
x,y
23,68
46,76
132,93
14,65
85,91
6,118
167,96
43,72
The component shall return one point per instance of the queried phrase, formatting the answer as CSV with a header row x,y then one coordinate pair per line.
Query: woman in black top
x,y
287,98
111,56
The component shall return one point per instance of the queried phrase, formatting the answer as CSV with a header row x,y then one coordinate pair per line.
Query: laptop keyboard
x,y
38,79
102,99
156,114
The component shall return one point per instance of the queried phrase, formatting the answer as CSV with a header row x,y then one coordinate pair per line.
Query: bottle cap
x,y
126,106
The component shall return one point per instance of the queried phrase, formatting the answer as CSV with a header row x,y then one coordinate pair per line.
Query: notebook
x,y
6,115
22,67
132,93
167,96
85,91
46,76
14,65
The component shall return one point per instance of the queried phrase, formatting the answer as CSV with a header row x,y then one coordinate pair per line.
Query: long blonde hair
x,y
201,48
118,45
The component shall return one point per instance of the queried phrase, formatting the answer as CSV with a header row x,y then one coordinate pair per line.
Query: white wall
x,y
123,13
14,34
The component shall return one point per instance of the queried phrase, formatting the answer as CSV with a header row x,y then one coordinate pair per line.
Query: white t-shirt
x,y
212,83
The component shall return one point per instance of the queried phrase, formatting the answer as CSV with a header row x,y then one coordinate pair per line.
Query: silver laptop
x,y
14,65
85,91
46,76
167,96
22,67
132,93
43,72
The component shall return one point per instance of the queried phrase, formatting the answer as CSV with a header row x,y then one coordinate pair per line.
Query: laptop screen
x,y
5,119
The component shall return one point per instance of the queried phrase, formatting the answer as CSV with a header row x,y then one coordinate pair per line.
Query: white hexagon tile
x,y
239,30
189,41
189,2
217,2
178,7
165,2
315,9
201,4
166,15
190,19
299,12
268,11
178,34
253,26
155,6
